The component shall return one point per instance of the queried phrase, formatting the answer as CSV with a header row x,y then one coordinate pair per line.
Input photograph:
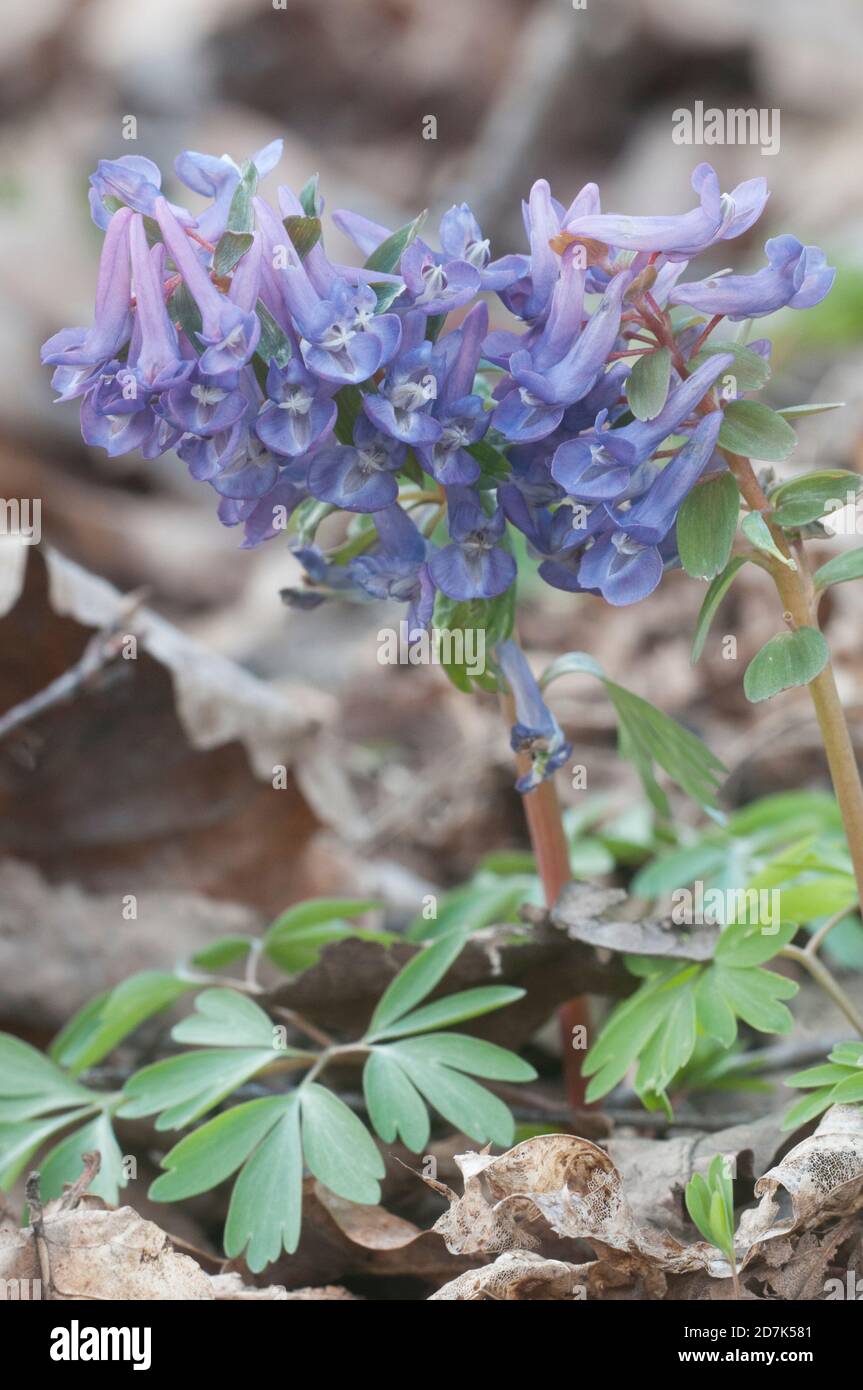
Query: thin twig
x,y
101,650
37,1224
822,976
814,944
75,1191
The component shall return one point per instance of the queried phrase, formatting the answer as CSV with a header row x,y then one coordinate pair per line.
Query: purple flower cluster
x,y
296,386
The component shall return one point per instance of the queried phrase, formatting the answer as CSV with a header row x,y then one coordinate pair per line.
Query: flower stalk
x,y
548,840
798,597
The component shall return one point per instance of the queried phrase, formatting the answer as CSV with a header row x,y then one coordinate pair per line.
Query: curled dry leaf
x,y
588,913
229,1288
558,1186
555,1184
520,1275
98,1253
819,1178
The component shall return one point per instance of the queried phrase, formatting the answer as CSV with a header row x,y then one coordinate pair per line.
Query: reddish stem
x,y
703,336
207,245
542,810
548,840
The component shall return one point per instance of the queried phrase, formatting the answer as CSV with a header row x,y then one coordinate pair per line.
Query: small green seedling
x,y
710,1203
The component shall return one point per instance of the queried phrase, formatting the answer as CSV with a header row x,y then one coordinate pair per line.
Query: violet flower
x,y
473,565
536,731
796,277
358,477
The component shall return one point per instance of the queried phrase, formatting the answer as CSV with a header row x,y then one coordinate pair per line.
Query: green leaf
x,y
231,249
786,814
840,569
788,659
415,980
750,370
647,385
495,467
237,237
386,294
26,1072
297,937
465,1105
122,1011
274,345
719,587
744,944
64,1163
339,1149
751,428
494,617
304,232
671,1046
723,1235
680,867
657,738
310,198
824,895
698,1205
706,525
464,1053
828,1074
647,736
795,412
849,1091
756,530
395,1106
186,313
754,995
807,1108
266,1209
182,1089
473,906
630,1029
19,1141
571,664
809,497
455,1008
713,1011
387,256
225,1018
213,1152
349,403
79,1027
223,952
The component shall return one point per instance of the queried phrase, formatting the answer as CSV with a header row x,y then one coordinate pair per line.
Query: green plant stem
x,y
814,944
551,850
822,976
800,609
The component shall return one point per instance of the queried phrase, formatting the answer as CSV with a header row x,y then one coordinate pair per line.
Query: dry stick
x,y
75,1191
545,826
37,1223
102,649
